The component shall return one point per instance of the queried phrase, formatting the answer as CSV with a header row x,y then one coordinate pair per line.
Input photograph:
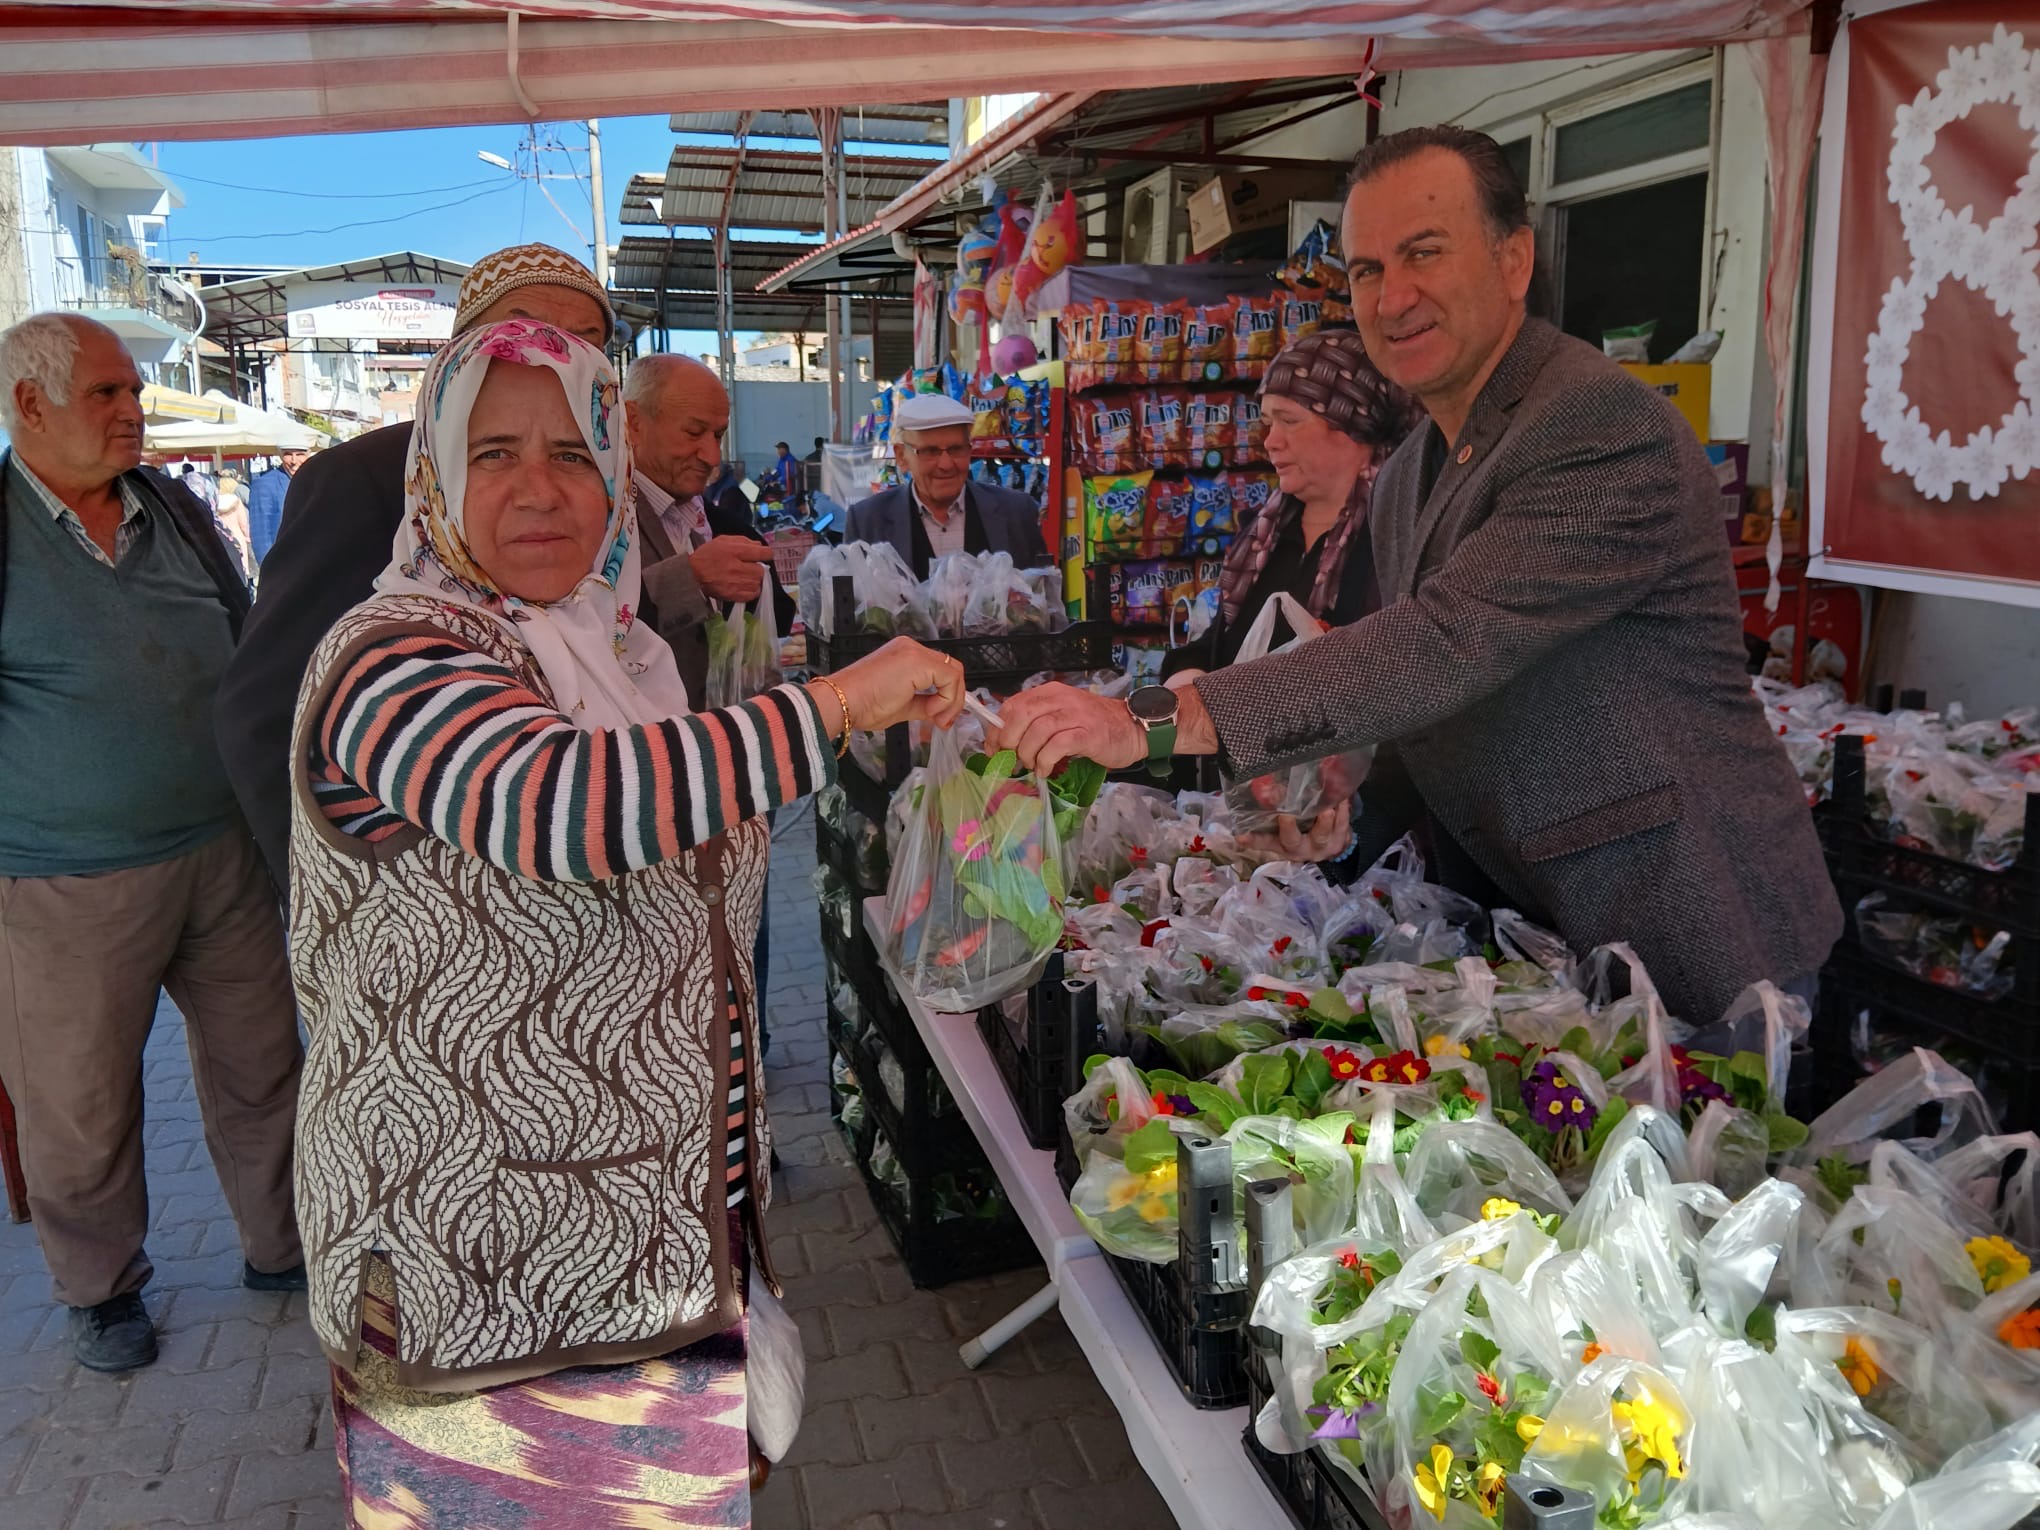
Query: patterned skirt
x,y
657,1445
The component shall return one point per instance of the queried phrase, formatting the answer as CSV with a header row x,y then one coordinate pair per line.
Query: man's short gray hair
x,y
42,349
648,374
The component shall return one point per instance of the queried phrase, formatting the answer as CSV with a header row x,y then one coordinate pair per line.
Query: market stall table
x,y
1192,1455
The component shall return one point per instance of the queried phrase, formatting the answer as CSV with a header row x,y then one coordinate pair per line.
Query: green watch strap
x,y
1161,744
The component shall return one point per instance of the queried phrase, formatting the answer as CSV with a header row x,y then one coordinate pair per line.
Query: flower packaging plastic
x,y
1301,791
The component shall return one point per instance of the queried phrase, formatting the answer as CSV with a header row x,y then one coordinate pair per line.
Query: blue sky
x,y
315,200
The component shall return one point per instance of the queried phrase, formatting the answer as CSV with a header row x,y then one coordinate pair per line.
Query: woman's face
x,y
1312,461
535,510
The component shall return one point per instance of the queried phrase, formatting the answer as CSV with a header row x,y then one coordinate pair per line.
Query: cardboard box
x,y
1689,386
1239,201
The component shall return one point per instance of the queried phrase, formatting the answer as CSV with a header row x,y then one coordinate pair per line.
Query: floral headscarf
x,y
606,669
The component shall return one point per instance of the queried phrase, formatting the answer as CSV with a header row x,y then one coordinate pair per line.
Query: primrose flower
x,y
1342,1423
1345,1062
1998,1263
1694,1085
2022,1329
1431,1479
1173,1104
1528,1428
1858,1368
1555,1101
1487,1487
970,840
1151,1195
1651,1433
1439,1046
1490,1388
1495,1207
1591,1353
1403,1067
1350,1259
1282,945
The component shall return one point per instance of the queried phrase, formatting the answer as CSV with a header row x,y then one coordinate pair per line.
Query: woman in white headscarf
x,y
524,883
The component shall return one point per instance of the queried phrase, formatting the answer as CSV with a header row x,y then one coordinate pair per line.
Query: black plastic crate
x,y
1199,1332
1041,1054
1316,1493
923,1125
838,846
1861,860
985,660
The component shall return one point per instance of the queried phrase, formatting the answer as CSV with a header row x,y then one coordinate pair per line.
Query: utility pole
x,y
595,177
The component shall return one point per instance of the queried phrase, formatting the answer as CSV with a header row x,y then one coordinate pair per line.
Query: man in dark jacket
x,y
1559,652
266,495
125,868
939,509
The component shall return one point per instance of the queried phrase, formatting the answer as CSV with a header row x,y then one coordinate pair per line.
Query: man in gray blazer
x,y
1559,655
940,510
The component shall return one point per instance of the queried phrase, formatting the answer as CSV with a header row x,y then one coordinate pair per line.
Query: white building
x,y
79,227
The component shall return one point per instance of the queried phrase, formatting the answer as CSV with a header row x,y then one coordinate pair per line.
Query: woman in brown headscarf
x,y
1332,420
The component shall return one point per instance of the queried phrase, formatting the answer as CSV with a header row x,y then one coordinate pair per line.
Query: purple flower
x,y
1694,1085
1555,1101
1341,1423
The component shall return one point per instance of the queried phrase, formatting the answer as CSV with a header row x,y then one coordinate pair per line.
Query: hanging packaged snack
x,y
1167,528
1250,431
1102,430
1252,489
1115,513
1208,342
1115,334
988,421
1257,333
1158,349
952,381
1079,323
1301,316
1211,505
1142,593
1162,420
1210,423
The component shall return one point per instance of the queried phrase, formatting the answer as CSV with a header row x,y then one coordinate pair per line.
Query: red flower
x,y
1139,854
1509,1057
1282,945
1403,1067
1257,992
1350,1259
1101,893
1206,962
1376,1071
1490,1388
1197,845
1296,1000
1151,929
1476,1096
1345,1063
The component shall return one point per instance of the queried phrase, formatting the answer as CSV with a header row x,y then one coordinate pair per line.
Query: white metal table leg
x,y
981,1349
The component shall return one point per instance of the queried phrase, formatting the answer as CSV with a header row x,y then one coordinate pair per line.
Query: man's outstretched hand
x,y
1054,723
728,567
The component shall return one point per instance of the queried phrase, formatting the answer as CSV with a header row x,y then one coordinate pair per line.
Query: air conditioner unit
x,y
1155,227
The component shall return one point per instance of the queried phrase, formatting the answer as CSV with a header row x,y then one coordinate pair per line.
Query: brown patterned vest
x,y
515,1091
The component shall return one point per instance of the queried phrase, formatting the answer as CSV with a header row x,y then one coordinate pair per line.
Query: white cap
x,y
930,411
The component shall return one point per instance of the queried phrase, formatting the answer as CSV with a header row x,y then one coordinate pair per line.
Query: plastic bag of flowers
x,y
975,900
1304,790
1842,1138
1458,1168
1896,1371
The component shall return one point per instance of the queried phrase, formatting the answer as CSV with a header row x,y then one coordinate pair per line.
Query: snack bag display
x,y
1211,505
1115,513
1103,430
1257,332
1250,431
1114,334
1162,416
1079,323
1142,593
1210,422
988,418
1158,348
1301,316
1168,517
1208,342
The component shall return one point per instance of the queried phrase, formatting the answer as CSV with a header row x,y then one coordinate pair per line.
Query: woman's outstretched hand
x,y
902,682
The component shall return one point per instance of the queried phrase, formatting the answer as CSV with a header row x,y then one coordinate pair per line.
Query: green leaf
x,y
1786,1133
1480,1351
1610,1117
1263,1081
1838,1176
1438,1415
1313,1080
1094,1062
1214,1102
999,767
1150,1147
1578,1041
1761,1327
1330,1004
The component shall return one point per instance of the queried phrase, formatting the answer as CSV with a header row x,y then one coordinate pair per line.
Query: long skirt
x,y
657,1445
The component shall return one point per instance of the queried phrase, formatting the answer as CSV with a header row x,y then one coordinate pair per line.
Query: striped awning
x,y
156,69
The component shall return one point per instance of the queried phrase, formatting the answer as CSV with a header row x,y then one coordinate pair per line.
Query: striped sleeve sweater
x,y
428,731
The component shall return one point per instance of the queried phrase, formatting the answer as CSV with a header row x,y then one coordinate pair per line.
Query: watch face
x,y
1153,704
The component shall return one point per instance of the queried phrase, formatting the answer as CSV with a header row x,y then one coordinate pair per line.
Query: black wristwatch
x,y
1154,707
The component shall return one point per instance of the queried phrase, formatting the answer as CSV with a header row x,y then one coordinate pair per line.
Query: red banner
x,y
1933,409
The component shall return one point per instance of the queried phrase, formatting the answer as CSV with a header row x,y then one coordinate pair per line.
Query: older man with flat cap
x,y
938,509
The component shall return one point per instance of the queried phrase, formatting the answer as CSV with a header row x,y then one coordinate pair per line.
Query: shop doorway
x,y
1629,257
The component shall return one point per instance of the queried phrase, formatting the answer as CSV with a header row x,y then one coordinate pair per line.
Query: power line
x,y
333,196
416,212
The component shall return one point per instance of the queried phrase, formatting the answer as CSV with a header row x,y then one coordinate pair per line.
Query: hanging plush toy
x,y
1051,245
1014,222
967,298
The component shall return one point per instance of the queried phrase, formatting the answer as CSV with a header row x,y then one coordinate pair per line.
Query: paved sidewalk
x,y
231,1426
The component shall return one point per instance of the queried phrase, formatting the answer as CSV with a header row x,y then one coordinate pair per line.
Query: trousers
x,y
82,959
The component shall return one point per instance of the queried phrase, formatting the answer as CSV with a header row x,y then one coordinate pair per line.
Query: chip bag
x,y
1162,420
1158,347
1257,332
1115,512
1301,316
1211,505
1208,342
1250,431
1167,529
1105,432
1210,422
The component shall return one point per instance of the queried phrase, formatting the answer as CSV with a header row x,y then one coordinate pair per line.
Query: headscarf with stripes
x,y
605,668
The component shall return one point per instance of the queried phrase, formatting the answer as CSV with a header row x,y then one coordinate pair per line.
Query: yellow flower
x,y
1651,1434
1998,1264
1528,1428
1432,1477
1438,1046
1495,1207
1157,1201
1859,1368
1487,1487
1121,1192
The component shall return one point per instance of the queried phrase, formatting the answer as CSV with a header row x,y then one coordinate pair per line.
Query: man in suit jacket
x,y
940,510
1559,658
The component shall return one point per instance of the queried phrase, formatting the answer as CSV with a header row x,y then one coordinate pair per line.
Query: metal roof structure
x,y
1090,143
255,308
675,279
736,186
919,123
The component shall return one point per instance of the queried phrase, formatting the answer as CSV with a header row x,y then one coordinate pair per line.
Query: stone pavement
x,y
231,1426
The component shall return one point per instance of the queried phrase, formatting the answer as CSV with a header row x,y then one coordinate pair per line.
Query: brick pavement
x,y
231,1427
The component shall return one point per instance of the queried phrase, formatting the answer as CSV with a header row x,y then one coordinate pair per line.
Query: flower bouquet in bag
x,y
1301,791
975,900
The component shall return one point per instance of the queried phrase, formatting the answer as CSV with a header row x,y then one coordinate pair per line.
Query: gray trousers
x,y
82,959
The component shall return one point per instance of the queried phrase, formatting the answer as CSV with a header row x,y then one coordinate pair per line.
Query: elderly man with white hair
x,y
938,509
125,867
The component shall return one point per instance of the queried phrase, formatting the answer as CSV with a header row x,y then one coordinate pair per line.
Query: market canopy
x,y
241,430
156,69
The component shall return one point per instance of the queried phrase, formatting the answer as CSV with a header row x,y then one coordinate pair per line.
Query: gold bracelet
x,y
844,702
